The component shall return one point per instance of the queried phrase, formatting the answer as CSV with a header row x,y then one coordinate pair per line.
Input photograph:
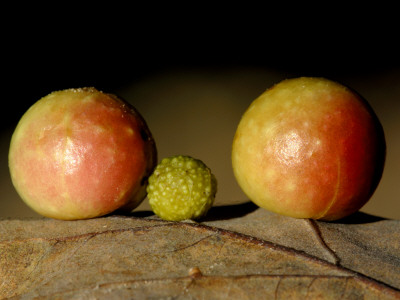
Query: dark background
x,y
108,47
178,57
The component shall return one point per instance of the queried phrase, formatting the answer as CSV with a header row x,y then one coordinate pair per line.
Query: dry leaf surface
x,y
237,252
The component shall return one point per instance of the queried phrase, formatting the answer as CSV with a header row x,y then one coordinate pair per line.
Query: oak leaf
x,y
236,252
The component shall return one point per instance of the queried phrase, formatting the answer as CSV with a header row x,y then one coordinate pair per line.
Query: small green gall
x,y
181,188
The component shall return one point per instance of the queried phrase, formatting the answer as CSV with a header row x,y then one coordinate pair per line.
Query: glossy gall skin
x,y
81,153
309,148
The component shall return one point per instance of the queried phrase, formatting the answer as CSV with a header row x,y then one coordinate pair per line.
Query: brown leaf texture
x,y
236,252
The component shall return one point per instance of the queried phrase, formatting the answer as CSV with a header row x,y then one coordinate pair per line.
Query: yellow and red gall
x,y
309,148
80,153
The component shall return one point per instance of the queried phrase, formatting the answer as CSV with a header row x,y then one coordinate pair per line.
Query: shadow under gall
x,y
226,212
216,213
359,218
